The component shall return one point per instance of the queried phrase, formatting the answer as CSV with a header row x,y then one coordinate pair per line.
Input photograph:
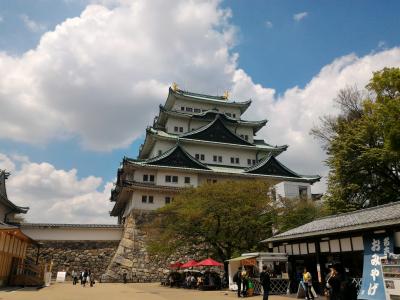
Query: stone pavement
x,y
119,291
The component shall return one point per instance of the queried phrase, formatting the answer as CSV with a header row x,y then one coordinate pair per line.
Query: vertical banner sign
x,y
375,246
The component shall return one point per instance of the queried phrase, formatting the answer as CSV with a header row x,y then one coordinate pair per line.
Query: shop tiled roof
x,y
369,218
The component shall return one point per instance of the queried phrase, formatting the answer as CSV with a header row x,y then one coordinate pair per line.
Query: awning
x,y
242,258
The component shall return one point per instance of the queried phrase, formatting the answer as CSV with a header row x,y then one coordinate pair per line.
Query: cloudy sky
x,y
80,80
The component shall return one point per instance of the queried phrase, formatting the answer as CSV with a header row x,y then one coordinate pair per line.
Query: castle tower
x,y
195,139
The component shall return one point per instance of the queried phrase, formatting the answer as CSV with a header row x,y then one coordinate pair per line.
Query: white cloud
x,y
31,24
300,16
292,115
55,195
268,24
100,76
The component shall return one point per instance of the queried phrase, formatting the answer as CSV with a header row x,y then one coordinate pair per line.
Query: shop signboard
x,y
375,246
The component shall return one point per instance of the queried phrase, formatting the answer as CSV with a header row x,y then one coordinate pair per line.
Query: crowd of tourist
x,y
206,280
84,277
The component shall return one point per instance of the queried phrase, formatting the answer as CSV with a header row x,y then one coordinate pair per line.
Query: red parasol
x,y
176,265
189,264
209,262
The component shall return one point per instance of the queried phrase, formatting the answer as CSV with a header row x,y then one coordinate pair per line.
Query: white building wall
x,y
173,122
291,190
225,152
73,233
181,178
136,200
161,145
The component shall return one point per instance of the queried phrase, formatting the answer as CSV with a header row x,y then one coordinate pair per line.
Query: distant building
x,y
13,242
198,139
8,210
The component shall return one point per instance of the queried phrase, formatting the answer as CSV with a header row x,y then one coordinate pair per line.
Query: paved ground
x,y
110,291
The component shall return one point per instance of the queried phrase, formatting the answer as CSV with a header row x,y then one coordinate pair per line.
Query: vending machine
x,y
391,276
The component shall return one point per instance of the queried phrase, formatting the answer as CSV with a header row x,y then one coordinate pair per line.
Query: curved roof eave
x,y
202,97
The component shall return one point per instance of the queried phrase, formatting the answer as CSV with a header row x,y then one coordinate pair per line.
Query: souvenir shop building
x,y
337,239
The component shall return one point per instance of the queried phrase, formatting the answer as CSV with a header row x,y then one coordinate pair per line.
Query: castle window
x,y
197,110
234,115
228,114
151,199
215,158
145,177
167,200
151,178
254,161
187,179
237,160
249,161
189,109
180,129
167,178
182,108
201,156
144,199
159,152
232,160
197,156
220,159
246,137
176,128
175,179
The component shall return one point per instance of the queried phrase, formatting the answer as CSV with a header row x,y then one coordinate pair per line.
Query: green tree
x,y
363,145
296,212
222,220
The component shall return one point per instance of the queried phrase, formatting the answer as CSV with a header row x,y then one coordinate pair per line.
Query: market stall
x,y
277,264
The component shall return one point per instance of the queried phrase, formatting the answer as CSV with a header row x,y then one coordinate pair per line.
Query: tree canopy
x,y
221,220
363,144
292,213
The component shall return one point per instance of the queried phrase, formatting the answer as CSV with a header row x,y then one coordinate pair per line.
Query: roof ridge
x,y
202,128
359,210
203,113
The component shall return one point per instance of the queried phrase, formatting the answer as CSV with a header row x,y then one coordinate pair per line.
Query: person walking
x,y
237,278
307,280
125,277
245,281
265,282
334,283
85,276
74,275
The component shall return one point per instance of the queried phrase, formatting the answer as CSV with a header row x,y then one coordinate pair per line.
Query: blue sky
x,y
280,45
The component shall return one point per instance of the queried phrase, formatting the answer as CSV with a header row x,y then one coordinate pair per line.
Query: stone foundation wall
x,y
132,257
76,255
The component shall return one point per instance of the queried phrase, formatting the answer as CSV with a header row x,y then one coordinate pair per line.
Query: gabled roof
x,y
216,131
218,100
153,134
174,157
3,195
207,115
364,219
269,165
